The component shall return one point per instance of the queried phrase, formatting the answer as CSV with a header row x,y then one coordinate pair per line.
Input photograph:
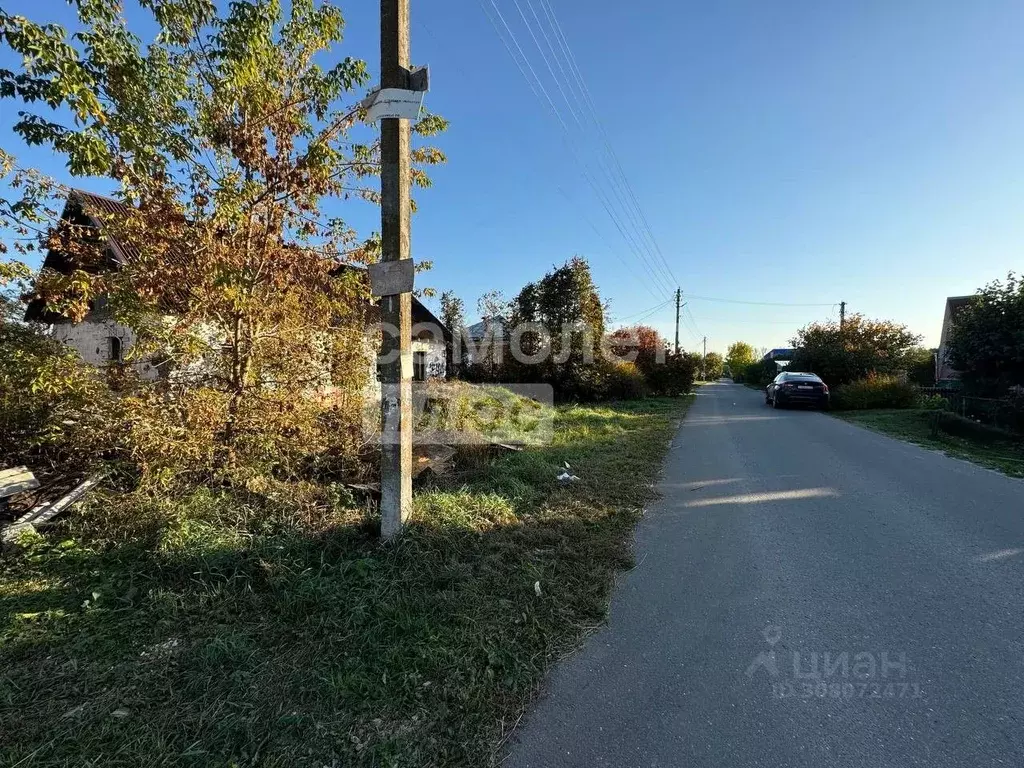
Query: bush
x,y
933,403
626,382
675,377
54,409
842,354
875,392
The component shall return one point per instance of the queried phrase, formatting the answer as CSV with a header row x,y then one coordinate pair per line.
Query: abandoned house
x,y
100,340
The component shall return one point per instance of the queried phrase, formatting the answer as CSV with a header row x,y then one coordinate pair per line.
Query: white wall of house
x,y
91,339
94,341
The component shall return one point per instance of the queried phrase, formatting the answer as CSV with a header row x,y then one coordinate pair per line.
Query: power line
x,y
535,82
549,12
608,245
537,86
757,303
644,311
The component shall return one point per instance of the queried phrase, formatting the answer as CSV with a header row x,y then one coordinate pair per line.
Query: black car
x,y
794,388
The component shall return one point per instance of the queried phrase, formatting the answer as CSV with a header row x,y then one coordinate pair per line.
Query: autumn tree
x,y
230,138
739,355
639,344
843,353
987,342
713,366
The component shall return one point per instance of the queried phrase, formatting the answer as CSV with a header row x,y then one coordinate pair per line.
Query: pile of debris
x,y
19,480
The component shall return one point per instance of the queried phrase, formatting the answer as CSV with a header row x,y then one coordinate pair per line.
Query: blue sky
x,y
806,152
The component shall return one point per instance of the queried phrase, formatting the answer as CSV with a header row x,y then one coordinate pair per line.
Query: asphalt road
x,y
807,593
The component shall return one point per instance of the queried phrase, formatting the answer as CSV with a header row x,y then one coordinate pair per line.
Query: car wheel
x,y
776,403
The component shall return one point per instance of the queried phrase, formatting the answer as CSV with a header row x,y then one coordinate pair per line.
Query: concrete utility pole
x,y
679,295
396,310
842,314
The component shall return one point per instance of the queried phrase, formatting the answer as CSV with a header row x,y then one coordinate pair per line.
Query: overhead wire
x,y
643,311
573,64
634,239
613,191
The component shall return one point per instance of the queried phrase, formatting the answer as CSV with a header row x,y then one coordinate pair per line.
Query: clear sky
x,y
803,151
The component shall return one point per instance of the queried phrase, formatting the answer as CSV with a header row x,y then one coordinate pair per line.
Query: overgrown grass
x,y
915,426
293,645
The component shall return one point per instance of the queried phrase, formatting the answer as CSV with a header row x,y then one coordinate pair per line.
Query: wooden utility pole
x,y
396,310
703,361
679,294
842,314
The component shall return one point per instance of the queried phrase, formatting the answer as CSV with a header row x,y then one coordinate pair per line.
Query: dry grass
x,y
199,641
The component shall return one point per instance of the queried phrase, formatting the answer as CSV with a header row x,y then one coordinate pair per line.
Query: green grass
x,y
914,425
280,643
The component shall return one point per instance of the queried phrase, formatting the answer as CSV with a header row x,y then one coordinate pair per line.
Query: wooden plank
x,y
44,513
16,480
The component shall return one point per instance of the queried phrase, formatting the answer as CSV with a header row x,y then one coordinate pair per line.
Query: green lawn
x,y
914,426
288,645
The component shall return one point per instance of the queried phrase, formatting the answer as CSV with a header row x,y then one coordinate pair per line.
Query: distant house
x,y
945,374
781,357
100,340
487,340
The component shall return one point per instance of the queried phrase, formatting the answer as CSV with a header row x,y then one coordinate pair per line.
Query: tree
x,y
454,317
713,365
493,305
843,353
921,366
739,355
987,342
560,321
226,137
639,344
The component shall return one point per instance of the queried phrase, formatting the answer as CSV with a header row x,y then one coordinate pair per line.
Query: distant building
x,y
945,374
100,340
486,341
781,356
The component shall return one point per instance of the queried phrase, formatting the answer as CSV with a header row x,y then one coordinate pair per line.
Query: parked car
x,y
795,388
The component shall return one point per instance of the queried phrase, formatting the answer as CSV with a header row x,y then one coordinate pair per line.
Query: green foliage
x,y
842,354
921,366
224,136
54,410
560,324
739,355
237,616
987,340
875,392
760,372
676,376
625,382
713,366
453,315
933,403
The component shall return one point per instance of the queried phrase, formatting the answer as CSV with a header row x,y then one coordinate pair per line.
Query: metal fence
x,y
1002,413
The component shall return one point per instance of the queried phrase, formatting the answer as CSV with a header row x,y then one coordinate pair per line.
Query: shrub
x,y
761,372
875,392
842,354
625,382
675,377
933,403
54,409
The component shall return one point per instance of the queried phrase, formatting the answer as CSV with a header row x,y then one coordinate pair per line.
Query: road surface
x,y
807,593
